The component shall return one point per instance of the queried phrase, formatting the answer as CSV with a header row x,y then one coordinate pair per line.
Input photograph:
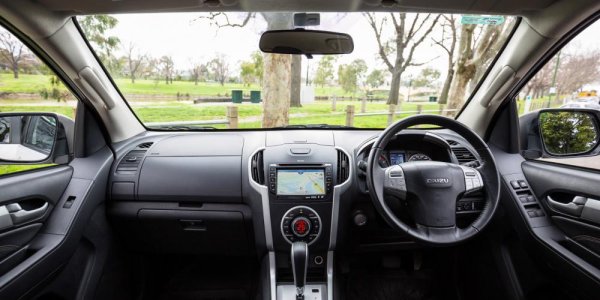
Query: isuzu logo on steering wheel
x,y
436,180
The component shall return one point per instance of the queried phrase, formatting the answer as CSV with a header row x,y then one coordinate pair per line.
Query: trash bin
x,y
433,98
237,96
255,96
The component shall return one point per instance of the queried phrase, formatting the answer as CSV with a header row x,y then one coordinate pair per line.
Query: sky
x,y
189,39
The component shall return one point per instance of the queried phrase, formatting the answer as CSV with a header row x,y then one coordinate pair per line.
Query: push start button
x,y
301,226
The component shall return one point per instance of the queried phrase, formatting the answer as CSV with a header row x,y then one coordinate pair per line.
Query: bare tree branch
x,y
377,30
419,41
221,19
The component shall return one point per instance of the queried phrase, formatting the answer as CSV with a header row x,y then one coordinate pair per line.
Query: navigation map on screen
x,y
300,182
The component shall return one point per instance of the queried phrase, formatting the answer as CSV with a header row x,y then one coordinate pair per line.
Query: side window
x,y
570,84
571,79
27,85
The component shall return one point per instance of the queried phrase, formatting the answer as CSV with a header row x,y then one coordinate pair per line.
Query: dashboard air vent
x,y
452,143
131,162
145,145
257,165
463,155
343,167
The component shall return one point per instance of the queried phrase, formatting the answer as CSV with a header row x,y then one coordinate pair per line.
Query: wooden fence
x,y
232,117
391,113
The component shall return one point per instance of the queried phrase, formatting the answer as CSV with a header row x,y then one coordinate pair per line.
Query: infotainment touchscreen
x,y
300,182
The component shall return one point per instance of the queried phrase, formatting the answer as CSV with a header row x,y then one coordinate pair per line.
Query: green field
x,y
249,114
8,169
32,84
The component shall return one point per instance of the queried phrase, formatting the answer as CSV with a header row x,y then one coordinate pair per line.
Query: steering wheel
x,y
432,188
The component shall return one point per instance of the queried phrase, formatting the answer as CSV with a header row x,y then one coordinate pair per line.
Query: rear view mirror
x,y
31,138
568,132
306,42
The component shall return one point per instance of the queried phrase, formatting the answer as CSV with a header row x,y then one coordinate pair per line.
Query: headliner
x,y
507,7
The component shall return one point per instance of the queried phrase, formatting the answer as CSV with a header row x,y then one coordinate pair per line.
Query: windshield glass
x,y
205,70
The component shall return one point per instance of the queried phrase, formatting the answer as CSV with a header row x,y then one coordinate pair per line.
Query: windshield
x,y
205,70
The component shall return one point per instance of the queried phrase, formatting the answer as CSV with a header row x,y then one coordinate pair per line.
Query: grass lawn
x,y
26,83
63,110
8,169
178,111
32,84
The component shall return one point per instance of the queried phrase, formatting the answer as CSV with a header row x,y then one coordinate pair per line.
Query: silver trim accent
x,y
330,275
303,207
264,195
335,205
272,275
263,190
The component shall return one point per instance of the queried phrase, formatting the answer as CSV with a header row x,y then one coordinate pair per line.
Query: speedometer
x,y
418,156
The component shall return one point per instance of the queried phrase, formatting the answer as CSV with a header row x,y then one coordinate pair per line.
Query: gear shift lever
x,y
299,265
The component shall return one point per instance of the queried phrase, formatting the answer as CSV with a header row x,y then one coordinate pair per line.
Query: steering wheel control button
x,y
473,180
394,180
301,224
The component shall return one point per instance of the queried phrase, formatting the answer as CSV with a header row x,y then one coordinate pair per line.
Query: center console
x,y
302,179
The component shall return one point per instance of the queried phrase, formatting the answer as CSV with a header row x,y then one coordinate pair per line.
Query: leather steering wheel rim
x,y
435,235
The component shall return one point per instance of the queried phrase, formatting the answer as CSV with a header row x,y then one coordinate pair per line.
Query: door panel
x,y
41,246
569,196
25,202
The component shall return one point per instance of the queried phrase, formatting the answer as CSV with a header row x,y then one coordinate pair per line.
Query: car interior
x,y
490,203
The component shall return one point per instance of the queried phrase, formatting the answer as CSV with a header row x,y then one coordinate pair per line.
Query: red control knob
x,y
301,226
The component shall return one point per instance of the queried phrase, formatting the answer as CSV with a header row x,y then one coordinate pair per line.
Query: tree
x,y
247,73
12,51
167,68
95,28
135,62
474,55
198,71
324,72
220,68
279,88
397,53
577,68
350,76
252,71
448,43
258,61
426,78
567,132
375,79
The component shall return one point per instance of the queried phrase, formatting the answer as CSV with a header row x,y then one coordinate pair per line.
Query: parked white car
x,y
581,104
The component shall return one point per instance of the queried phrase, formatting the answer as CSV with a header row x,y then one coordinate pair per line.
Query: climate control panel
x,y
301,223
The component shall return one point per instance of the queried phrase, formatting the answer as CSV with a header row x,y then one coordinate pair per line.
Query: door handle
x,y
573,208
20,215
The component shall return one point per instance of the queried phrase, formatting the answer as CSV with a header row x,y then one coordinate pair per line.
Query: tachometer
x,y
419,156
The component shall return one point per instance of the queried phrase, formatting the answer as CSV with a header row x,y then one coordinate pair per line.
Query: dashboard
x,y
247,192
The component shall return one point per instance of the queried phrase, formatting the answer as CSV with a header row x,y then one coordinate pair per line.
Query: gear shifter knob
x,y
299,265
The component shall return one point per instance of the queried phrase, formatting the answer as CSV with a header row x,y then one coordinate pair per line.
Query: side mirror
x,y
560,132
34,138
